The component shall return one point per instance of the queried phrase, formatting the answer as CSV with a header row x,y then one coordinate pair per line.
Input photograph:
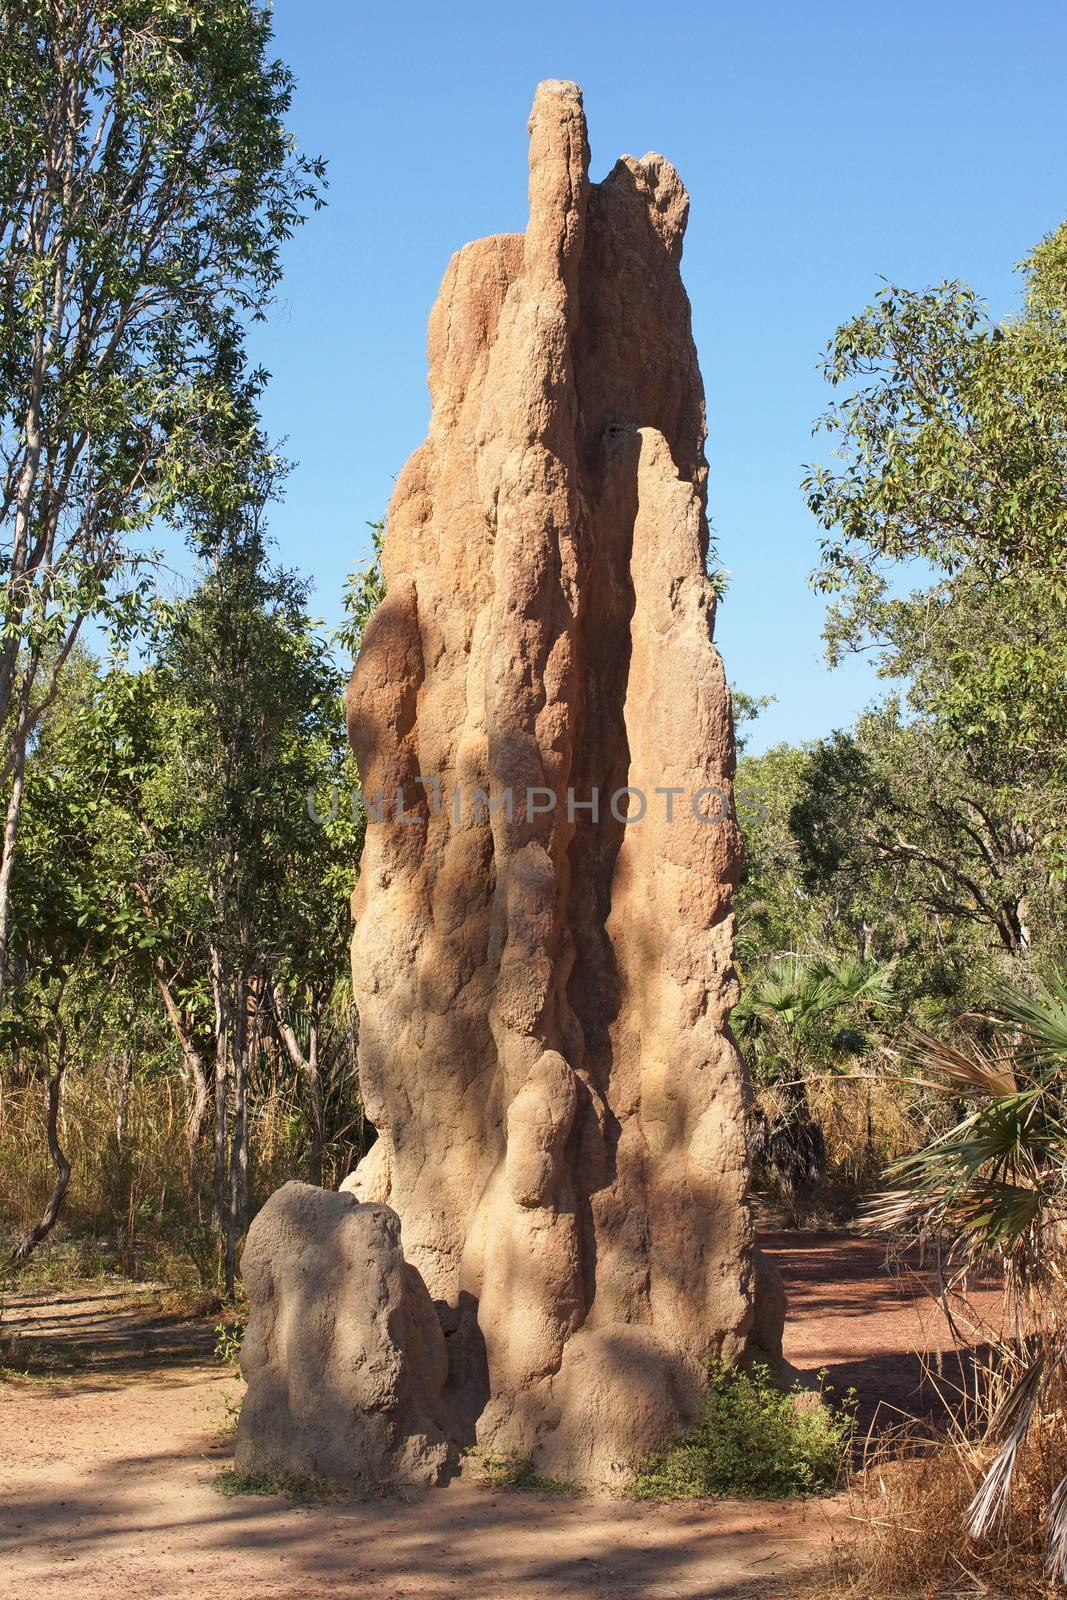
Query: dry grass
x,y
909,1508
868,1122
131,1206
145,1168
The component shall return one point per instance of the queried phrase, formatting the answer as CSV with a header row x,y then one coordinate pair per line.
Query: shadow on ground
x,y
105,1328
106,1474
877,1327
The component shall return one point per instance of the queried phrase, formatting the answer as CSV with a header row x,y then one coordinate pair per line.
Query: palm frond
x,y
855,980
1041,1017
973,1068
1011,1422
993,1188
1057,1532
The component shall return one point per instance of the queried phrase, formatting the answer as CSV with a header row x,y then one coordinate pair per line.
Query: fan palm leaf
x,y
994,1187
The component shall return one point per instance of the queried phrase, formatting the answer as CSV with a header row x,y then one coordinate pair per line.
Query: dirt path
x,y
105,1480
111,1498
109,1327
874,1330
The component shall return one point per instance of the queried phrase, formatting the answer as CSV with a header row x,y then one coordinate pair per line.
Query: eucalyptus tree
x,y
901,814
73,945
171,863
144,824
253,690
951,451
363,593
147,185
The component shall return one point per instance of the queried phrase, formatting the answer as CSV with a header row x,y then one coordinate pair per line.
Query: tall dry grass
x,y
131,1204
867,1120
908,1508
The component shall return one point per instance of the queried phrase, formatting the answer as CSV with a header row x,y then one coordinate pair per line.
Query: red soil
x,y
105,1480
876,1329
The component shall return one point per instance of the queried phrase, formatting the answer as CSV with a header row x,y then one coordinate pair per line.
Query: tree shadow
x,y
99,1331
876,1327
125,1513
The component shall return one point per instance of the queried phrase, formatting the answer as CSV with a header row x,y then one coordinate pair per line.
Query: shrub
x,y
753,1438
510,1471
299,1486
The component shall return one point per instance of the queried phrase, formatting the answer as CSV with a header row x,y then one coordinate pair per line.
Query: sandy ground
x,y
105,1479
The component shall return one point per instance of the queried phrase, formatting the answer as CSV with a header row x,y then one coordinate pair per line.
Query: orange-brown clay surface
x,y
105,1479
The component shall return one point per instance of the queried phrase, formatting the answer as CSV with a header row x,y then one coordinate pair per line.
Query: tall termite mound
x,y
542,958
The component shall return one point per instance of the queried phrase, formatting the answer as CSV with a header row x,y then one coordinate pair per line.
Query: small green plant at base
x,y
232,1401
228,1337
293,1485
510,1471
752,1439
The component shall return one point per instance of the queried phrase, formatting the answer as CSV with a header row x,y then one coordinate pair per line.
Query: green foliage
x,y
254,705
747,708
228,1337
148,185
895,847
898,805
992,1185
753,1439
168,851
364,592
950,434
505,1470
799,1021
893,844
952,442
776,911
799,1015
299,1486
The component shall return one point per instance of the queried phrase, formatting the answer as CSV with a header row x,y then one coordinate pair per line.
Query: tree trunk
x,y
194,1065
220,1208
308,1067
7,860
318,1129
55,1200
237,1214
125,1079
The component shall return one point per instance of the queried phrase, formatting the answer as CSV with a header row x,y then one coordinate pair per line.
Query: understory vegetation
x,y
910,1506
498,1470
752,1439
928,844
299,1487
133,1208
178,849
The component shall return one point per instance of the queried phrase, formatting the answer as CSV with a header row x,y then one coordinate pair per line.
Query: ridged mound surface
x,y
543,996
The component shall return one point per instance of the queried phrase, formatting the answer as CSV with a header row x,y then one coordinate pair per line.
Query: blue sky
x,y
822,145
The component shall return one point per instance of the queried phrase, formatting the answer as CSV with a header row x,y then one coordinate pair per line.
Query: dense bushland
x,y
931,838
